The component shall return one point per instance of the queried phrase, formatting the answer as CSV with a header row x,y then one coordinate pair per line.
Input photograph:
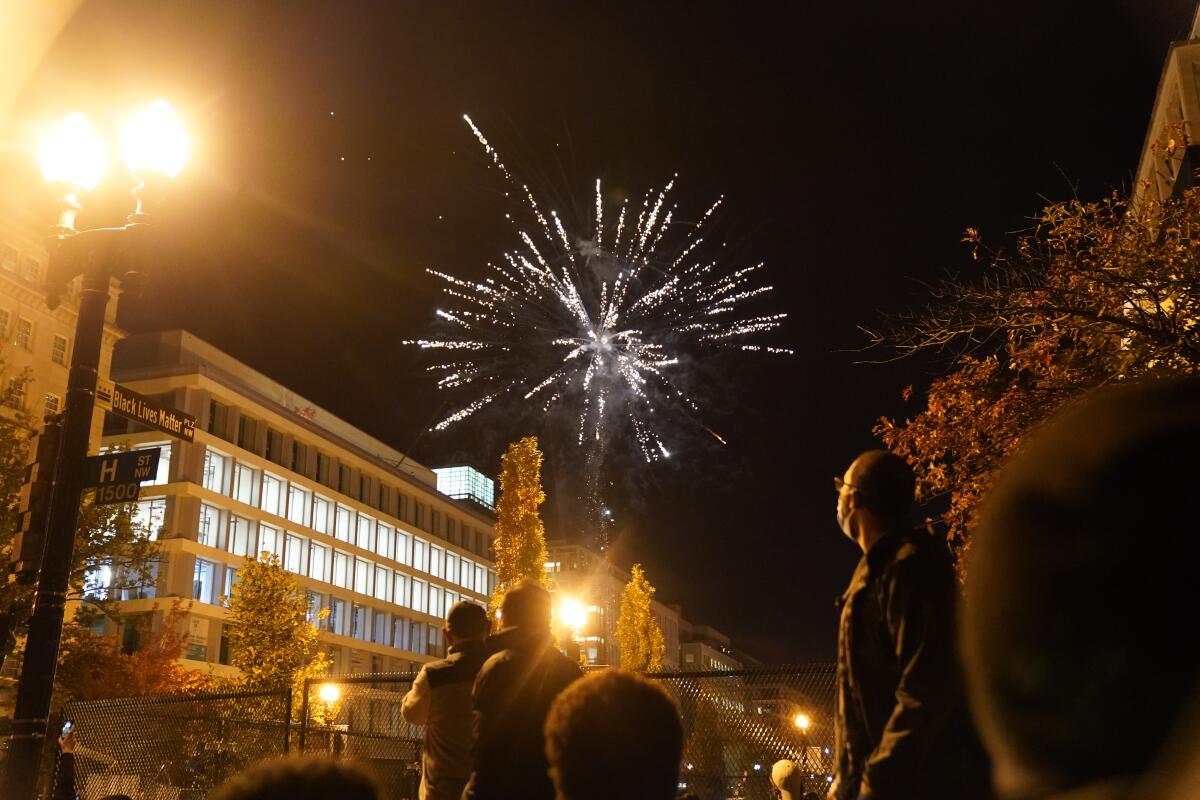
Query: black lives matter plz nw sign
x,y
130,404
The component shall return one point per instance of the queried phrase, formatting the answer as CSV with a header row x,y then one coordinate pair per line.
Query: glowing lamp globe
x,y
802,721
572,613
72,153
155,141
330,693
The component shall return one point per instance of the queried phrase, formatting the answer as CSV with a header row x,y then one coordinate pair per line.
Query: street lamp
x,y
73,159
802,722
329,693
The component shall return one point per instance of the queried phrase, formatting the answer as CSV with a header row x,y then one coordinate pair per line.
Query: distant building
x,y
595,583
364,528
1171,151
465,483
705,649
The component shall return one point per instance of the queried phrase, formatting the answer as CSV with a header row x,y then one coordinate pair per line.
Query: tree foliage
x,y
520,545
1093,294
638,633
96,667
271,639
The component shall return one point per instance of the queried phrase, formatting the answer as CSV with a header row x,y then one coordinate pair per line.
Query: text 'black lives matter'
x,y
142,409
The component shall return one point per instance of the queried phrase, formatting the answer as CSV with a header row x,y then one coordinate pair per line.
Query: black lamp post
x,y
73,158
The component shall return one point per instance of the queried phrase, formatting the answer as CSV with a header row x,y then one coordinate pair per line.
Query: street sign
x,y
128,403
117,477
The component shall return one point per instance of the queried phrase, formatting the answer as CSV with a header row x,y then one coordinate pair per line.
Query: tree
x,y
520,535
271,639
638,633
95,667
1093,294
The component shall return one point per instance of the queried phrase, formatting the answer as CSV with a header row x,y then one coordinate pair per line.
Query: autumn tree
x,y
271,639
520,544
96,667
1093,294
638,633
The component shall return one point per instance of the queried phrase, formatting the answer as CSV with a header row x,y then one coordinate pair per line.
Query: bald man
x,y
902,726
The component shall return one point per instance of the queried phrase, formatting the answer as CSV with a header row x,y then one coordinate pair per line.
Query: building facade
x,y
363,527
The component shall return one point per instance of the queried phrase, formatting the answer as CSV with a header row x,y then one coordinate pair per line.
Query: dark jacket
x,y
902,725
513,694
64,777
440,699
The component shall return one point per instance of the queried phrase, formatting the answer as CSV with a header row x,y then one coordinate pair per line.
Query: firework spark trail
x,y
603,329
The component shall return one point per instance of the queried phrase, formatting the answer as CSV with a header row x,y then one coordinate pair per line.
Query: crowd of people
x,y
1064,671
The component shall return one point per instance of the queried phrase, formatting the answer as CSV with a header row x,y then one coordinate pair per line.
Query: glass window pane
x,y
401,596
341,567
210,525
383,583
294,561
366,532
420,599
214,471
384,540
403,544
272,495
239,536
437,557
343,522
420,554
318,558
320,522
298,504
244,484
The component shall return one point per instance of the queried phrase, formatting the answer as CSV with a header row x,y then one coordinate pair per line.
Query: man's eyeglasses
x,y
839,484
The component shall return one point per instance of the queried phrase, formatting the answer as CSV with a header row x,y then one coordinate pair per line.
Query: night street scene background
x,y
331,168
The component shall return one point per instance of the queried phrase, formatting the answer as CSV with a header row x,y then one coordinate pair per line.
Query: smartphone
x,y
67,727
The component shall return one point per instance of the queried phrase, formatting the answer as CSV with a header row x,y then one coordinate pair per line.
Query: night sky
x,y
853,144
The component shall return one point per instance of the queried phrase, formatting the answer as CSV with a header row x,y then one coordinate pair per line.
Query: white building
x,y
362,526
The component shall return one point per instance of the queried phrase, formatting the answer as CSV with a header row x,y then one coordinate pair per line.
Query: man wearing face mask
x,y
902,724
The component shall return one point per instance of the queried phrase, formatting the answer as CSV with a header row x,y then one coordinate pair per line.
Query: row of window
x,y
300,506
299,554
12,261
344,479
346,618
22,336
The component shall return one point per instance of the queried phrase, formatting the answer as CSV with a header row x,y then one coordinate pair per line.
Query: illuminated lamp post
x,y
572,617
73,160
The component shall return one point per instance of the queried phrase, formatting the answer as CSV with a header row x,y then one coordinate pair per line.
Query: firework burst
x,y
601,327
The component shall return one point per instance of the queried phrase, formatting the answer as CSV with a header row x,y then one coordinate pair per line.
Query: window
x,y
359,620
420,554
366,530
362,576
231,580
343,520
435,522
215,467
293,559
380,628
401,597
320,521
383,583
466,577
490,588
451,599
272,495
401,628
480,580
210,525
435,601
274,446
203,581
341,568
239,536
403,542
30,269
244,484
245,436
148,516
53,403
401,506
451,567
313,613
337,615
24,334
344,476
322,468
8,257
318,562
163,475
297,504
58,350
420,599
96,582
299,458
14,393
419,515
5,319
270,540
437,561
384,540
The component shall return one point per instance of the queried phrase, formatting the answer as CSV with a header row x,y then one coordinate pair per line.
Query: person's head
x,y
527,605
787,779
875,494
304,778
1079,598
466,621
116,797
614,734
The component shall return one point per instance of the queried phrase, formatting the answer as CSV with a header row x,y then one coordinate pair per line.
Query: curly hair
x,y
300,779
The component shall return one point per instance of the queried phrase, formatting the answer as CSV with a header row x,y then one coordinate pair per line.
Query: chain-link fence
x,y
174,747
737,724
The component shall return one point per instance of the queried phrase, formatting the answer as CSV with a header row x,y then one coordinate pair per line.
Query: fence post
x,y
287,721
304,713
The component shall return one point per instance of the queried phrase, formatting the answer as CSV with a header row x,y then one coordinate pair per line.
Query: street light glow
x,y
572,613
802,721
330,693
72,153
155,141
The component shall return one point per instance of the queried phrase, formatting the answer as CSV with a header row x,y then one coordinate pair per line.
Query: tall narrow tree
x,y
638,633
520,535
271,639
